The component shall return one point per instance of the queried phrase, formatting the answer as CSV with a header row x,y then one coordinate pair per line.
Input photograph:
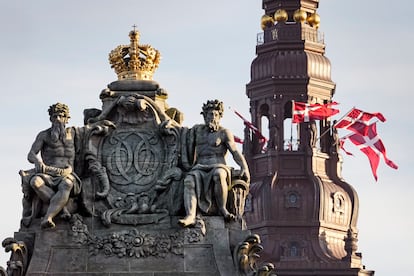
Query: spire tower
x,y
304,211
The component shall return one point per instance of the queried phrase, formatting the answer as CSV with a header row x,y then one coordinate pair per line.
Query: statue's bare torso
x,y
58,154
211,146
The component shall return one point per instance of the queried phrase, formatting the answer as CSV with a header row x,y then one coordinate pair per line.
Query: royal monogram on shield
x,y
134,160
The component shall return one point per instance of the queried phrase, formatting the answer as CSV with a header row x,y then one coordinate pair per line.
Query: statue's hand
x,y
108,123
67,171
245,174
40,167
102,127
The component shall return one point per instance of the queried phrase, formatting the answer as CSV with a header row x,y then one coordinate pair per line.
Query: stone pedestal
x,y
89,248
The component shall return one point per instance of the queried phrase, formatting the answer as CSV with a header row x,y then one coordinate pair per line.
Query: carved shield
x,y
134,159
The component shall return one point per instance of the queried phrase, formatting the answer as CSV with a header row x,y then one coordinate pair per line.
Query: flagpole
x,y
324,133
340,119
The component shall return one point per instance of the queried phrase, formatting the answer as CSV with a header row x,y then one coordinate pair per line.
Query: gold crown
x,y
134,61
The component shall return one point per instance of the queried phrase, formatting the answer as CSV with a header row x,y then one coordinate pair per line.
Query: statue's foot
x,y
47,223
228,216
187,221
66,215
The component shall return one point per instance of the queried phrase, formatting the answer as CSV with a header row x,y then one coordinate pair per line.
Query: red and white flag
x,y
358,121
304,112
373,148
342,147
237,139
254,129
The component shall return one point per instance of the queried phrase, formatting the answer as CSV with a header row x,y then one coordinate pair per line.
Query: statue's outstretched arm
x,y
237,156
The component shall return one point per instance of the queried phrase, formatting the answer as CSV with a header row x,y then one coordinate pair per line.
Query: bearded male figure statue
x,y
206,184
53,154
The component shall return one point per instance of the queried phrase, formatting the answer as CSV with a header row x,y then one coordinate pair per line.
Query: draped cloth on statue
x,y
53,181
203,177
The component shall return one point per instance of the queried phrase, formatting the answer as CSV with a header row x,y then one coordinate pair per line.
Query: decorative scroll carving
x,y
19,259
245,256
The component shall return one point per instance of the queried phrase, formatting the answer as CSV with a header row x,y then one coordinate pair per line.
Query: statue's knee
x,y
219,174
36,182
189,183
66,185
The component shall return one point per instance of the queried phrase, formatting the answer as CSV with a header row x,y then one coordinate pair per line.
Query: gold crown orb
x,y
266,21
299,15
314,20
134,61
280,15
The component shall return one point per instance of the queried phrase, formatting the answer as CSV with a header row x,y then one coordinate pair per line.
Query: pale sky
x,y
57,51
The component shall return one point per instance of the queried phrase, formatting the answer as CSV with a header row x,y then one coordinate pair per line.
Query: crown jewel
x,y
134,61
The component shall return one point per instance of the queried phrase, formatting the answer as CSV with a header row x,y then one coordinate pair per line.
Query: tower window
x,y
264,123
290,131
293,250
264,127
338,201
292,199
291,135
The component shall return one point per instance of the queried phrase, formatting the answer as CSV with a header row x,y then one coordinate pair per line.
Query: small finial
x,y
134,27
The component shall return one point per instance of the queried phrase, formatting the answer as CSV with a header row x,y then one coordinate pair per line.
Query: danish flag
x,y
373,148
304,112
237,139
254,129
358,121
342,147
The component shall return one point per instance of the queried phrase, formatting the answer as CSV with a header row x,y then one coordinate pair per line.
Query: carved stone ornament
x,y
246,255
19,258
109,196
129,243
134,165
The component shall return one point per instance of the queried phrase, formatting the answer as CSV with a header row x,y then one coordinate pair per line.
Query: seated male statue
x,y
53,154
208,180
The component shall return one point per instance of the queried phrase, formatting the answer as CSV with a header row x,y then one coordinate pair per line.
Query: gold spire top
x,y
134,61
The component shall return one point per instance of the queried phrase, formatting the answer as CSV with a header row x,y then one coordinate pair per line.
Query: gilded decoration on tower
x,y
300,15
134,61
281,15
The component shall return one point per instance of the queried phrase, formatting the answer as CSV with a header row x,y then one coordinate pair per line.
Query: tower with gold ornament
x,y
304,211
